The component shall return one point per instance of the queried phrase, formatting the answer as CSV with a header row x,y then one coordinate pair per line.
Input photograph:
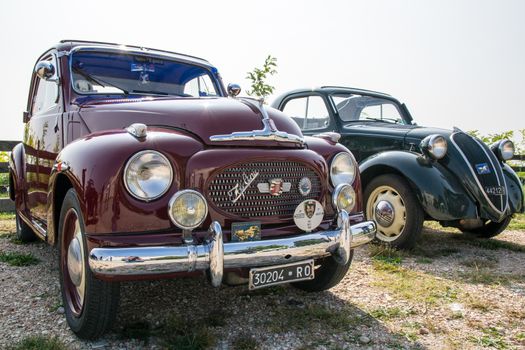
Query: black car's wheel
x,y
328,273
24,233
392,204
489,228
90,304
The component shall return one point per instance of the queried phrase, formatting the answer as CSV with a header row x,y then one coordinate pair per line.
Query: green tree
x,y
258,77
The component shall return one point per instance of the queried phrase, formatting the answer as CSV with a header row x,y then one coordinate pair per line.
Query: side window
x,y
46,95
382,111
200,86
308,112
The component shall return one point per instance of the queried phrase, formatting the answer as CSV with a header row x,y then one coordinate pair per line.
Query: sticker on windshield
x,y
142,67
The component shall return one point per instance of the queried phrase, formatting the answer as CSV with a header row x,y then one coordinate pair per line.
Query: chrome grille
x,y
256,204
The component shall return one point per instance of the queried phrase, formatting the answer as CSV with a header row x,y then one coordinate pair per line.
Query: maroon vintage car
x,y
137,165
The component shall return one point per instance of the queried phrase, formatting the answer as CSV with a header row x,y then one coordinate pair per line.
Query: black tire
x,y
96,313
408,224
328,274
24,233
489,229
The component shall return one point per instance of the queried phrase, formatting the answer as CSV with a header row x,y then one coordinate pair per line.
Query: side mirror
x,y
233,90
45,70
26,117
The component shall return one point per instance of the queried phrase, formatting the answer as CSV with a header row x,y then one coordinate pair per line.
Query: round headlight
x,y
435,146
342,169
506,149
344,197
148,175
187,209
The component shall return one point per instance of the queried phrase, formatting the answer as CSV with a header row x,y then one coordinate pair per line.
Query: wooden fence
x,y
6,146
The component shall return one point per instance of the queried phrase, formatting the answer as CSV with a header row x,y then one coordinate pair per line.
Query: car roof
x,y
338,89
69,44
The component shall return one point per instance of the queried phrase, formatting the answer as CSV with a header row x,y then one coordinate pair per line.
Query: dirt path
x,y
450,292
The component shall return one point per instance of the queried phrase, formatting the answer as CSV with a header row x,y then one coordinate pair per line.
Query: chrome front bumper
x,y
216,256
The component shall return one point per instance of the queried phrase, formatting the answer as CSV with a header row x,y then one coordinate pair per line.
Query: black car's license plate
x,y
272,275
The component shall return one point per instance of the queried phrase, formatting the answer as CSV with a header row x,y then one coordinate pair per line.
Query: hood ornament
x,y
268,132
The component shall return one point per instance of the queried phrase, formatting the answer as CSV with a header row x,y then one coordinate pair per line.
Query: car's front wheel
x,y
392,204
489,228
90,304
328,273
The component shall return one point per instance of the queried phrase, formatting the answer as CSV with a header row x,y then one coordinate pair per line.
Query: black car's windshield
x,y
354,107
107,72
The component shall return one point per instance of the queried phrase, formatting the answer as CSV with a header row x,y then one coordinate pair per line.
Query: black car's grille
x,y
478,156
254,203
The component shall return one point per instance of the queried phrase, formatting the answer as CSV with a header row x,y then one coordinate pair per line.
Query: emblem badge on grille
x,y
482,168
305,186
237,191
275,187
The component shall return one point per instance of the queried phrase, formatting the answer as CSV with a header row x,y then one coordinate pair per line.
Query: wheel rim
x,y
386,207
72,263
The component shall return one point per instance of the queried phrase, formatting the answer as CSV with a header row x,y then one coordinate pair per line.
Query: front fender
x,y
94,167
439,192
514,190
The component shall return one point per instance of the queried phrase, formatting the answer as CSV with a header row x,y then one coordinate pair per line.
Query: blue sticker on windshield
x,y
142,67
483,168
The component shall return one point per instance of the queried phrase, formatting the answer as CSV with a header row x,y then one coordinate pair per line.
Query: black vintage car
x,y
412,173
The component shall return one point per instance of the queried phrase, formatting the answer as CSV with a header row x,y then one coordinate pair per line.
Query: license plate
x,y
495,190
272,275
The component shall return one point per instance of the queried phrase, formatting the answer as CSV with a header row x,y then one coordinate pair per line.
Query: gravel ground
x,y
449,293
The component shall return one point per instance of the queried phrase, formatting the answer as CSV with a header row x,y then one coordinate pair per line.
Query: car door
x,y
310,112
42,140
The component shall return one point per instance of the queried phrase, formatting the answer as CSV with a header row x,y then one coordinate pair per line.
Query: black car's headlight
x,y
434,146
503,149
342,169
148,175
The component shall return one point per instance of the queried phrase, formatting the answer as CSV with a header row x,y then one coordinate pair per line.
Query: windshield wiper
x,y
384,120
98,81
160,93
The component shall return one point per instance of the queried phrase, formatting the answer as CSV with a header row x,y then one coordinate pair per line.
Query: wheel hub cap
x,y
74,261
384,213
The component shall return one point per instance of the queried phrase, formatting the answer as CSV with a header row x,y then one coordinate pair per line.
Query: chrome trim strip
x,y
215,256
473,174
268,132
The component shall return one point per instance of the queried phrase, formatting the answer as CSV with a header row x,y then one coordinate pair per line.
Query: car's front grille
x,y
485,167
253,203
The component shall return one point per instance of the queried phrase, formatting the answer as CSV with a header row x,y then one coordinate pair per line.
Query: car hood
x,y
420,132
200,117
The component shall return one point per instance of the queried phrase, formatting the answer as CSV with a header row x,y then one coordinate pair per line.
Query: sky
x,y
454,63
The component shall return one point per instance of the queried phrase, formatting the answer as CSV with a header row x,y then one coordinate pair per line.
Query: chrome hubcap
x,y
384,213
75,261
387,208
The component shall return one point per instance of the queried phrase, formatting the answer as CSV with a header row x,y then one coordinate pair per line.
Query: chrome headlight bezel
x,y
504,155
338,179
178,195
340,189
435,146
131,162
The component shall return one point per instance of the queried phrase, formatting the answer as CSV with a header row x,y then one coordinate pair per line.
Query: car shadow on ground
x,y
173,312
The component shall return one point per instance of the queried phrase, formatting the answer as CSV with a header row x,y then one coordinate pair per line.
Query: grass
x,y
485,276
389,313
186,334
18,259
480,263
39,343
140,330
413,285
245,341
491,338
385,254
7,215
517,222
291,317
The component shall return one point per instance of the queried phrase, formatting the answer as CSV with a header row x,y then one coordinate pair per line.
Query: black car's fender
x,y
515,192
441,200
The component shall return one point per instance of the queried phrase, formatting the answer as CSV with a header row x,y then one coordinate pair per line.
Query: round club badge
x,y
305,186
308,215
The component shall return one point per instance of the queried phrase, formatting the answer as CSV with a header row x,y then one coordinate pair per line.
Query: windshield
x,y
124,73
354,107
